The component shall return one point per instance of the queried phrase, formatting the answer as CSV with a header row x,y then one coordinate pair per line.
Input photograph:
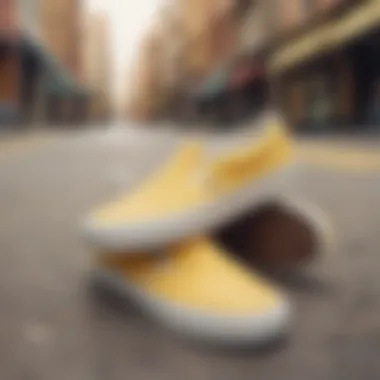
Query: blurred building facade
x,y
10,62
157,73
316,60
97,65
60,22
209,31
145,81
190,39
62,34
40,68
242,87
327,70
248,81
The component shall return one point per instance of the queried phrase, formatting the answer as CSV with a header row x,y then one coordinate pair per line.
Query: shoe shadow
x,y
273,347
105,296
300,282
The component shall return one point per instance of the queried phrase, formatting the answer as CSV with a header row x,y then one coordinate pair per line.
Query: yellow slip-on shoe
x,y
198,290
145,218
193,194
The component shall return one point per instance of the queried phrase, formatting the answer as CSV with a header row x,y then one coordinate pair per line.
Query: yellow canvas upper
x,y
198,274
248,162
187,182
168,191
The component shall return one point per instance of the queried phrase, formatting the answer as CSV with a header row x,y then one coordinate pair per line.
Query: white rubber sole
x,y
151,235
254,329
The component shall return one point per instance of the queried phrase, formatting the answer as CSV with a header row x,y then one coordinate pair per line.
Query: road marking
x,y
338,158
332,156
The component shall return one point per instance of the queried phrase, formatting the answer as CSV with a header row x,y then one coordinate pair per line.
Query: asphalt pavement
x,y
53,325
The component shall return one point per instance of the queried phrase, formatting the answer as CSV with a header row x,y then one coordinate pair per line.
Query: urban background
x,y
95,113
222,61
55,66
199,61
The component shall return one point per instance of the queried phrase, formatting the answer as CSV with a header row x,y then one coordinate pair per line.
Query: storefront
x,y
365,57
212,97
50,93
330,77
320,102
67,109
248,88
310,95
10,79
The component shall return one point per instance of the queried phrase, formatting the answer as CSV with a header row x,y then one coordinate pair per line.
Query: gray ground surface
x,y
53,325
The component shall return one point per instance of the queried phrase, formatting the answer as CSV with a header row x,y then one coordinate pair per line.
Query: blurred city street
x,y
169,71
53,325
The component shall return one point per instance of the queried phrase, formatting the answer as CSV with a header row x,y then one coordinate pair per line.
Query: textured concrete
x,y
53,325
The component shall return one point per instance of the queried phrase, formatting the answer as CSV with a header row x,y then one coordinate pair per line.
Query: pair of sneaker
x,y
156,247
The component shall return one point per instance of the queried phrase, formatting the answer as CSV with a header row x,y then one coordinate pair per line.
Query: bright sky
x,y
129,18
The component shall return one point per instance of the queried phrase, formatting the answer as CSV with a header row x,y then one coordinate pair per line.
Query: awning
x,y
358,23
59,80
355,24
306,48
